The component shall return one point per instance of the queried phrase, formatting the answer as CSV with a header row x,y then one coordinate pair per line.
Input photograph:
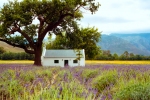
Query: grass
x,y
87,62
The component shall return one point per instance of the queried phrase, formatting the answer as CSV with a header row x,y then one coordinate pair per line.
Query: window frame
x,y
75,61
56,61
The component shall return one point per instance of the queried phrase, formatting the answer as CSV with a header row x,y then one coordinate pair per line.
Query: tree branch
x,y
54,25
19,46
77,7
27,37
16,28
41,19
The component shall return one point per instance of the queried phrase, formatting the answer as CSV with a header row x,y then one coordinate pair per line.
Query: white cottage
x,y
62,58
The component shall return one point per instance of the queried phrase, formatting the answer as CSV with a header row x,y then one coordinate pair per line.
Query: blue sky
x,y
118,16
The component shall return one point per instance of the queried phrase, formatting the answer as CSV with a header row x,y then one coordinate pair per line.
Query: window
x,y
56,61
75,61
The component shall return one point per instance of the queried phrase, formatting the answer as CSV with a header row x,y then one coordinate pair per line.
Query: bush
x,y
16,56
28,76
104,80
65,75
45,73
2,50
134,91
89,73
9,86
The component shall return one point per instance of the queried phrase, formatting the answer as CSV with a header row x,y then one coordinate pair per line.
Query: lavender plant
x,y
89,73
92,82
104,80
28,76
133,91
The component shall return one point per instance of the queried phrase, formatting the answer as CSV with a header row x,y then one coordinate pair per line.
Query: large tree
x,y
78,38
25,23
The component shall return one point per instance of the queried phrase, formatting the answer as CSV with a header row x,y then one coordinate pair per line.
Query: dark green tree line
x,y
16,56
106,55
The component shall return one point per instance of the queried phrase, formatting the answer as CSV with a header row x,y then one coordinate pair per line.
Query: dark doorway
x,y
65,62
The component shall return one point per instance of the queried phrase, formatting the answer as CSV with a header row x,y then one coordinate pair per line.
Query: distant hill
x,y
10,48
133,43
115,42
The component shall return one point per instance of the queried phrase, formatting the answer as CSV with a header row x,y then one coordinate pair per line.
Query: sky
x,y
118,16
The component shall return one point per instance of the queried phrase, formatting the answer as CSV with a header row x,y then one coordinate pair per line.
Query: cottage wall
x,y
65,58
62,62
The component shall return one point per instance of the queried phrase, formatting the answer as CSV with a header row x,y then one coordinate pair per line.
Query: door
x,y
65,62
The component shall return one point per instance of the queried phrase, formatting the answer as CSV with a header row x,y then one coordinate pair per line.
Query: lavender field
x,y
93,82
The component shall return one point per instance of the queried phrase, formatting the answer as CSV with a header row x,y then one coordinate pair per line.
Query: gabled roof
x,y
62,53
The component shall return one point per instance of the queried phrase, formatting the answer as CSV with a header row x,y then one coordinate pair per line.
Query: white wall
x,y
50,62
82,62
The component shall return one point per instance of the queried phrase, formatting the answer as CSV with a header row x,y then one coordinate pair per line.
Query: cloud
x,y
2,3
100,19
120,16
145,4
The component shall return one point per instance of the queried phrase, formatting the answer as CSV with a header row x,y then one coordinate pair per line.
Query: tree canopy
x,y
25,23
79,38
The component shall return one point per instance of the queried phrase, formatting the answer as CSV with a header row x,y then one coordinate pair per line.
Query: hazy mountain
x,y
115,42
133,43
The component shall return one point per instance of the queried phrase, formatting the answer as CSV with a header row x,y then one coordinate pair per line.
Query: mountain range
x,y
137,43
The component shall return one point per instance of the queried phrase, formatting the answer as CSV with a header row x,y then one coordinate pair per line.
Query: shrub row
x,y
16,56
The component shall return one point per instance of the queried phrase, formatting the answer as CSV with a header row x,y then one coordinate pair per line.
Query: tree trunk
x,y
38,52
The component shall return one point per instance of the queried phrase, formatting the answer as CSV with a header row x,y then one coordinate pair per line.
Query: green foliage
x,y
23,87
16,56
67,93
65,75
116,57
104,80
9,86
106,55
52,15
134,91
2,50
80,38
89,73
78,54
11,89
45,73
28,77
